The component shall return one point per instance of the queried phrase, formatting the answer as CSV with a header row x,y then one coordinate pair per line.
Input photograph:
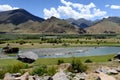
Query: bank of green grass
x,y
53,61
13,65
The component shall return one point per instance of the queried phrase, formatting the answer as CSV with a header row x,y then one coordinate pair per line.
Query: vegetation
x,y
78,66
59,62
43,41
46,66
39,70
11,68
88,61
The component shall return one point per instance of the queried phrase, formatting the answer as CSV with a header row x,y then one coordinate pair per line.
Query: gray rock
x,y
25,76
65,67
27,57
60,76
8,76
80,76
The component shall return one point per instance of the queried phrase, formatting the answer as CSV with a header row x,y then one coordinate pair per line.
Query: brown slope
x,y
105,26
21,21
51,26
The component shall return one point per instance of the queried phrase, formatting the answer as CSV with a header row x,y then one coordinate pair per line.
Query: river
x,y
73,51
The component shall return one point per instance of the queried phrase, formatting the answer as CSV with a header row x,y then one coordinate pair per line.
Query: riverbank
x,y
13,65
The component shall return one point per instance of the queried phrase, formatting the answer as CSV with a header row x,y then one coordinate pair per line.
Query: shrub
x,y
51,71
40,70
78,66
15,68
88,61
59,62
65,44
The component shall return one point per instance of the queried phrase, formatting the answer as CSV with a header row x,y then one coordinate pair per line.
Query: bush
x,y
59,62
40,70
78,66
51,71
88,61
15,68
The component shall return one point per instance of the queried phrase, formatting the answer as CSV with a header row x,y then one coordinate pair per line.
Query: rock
x,y
30,78
25,76
80,76
103,76
117,56
65,67
16,74
10,50
112,71
27,57
60,76
8,76
36,77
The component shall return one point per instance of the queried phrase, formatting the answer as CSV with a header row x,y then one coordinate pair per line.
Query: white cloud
x,y
74,10
107,5
51,12
115,6
7,7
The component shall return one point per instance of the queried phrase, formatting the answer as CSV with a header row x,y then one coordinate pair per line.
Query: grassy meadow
x,y
27,41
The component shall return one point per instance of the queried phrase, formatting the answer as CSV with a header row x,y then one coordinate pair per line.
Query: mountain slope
x,y
52,25
21,21
82,23
107,25
17,17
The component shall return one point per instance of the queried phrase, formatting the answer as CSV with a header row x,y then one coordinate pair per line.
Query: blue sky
x,y
88,9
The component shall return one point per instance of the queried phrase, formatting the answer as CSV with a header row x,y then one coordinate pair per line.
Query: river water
x,y
73,51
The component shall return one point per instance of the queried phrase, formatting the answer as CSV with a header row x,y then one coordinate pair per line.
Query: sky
x,y
88,9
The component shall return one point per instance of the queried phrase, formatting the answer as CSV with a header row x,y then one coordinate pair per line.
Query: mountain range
x,y
21,21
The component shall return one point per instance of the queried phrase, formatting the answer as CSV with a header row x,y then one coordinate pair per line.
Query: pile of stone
x,y
27,57
103,73
63,74
18,76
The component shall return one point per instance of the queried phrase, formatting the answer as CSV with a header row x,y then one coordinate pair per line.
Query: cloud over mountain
x,y
7,7
74,10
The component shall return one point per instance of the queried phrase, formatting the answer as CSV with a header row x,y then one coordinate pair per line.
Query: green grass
x,y
13,65
52,61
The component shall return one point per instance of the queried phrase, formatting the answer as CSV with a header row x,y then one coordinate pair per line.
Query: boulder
x,y
65,67
10,50
117,55
60,76
103,76
80,76
8,76
27,57
25,76
112,71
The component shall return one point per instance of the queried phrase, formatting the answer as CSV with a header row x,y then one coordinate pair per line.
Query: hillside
x,y
106,25
21,21
82,23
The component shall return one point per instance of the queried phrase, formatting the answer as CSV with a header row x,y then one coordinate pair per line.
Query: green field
x,y
53,61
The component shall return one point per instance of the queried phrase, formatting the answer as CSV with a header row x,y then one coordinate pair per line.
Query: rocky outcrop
x,y
27,57
103,76
8,76
60,76
65,67
10,50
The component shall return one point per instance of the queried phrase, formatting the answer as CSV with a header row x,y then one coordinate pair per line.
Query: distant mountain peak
x,y
17,17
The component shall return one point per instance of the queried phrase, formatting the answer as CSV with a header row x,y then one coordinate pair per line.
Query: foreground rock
x,y
8,76
60,76
103,76
65,67
27,57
